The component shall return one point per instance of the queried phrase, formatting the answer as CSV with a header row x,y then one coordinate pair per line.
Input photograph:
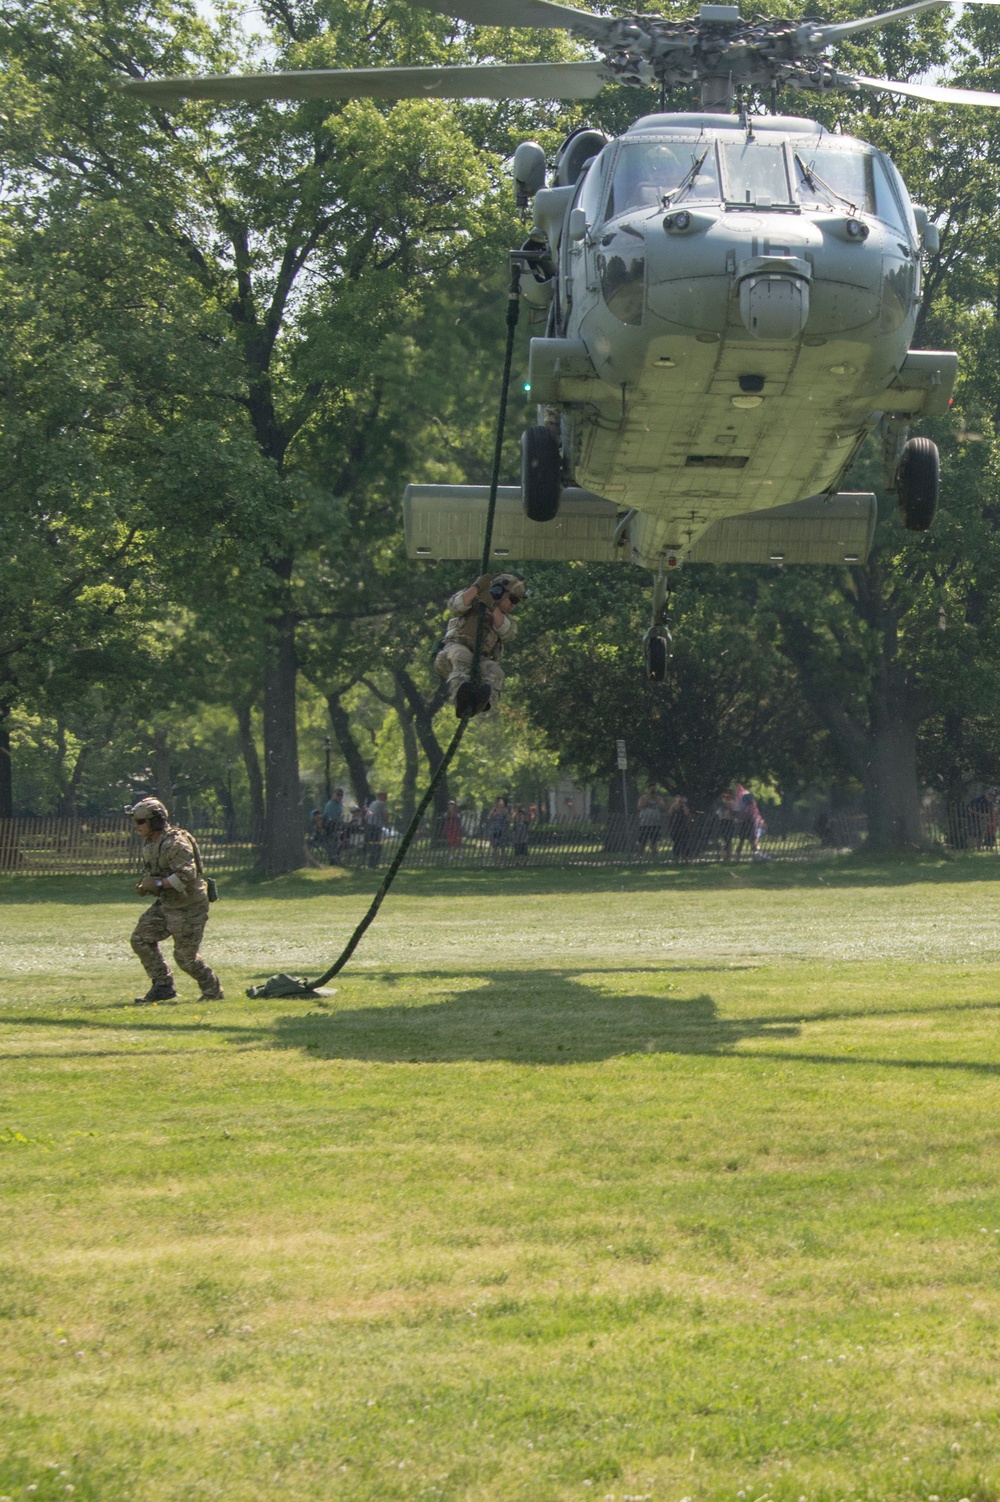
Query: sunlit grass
x,y
620,1184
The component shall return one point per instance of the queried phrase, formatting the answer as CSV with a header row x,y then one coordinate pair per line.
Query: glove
x,y
147,885
483,591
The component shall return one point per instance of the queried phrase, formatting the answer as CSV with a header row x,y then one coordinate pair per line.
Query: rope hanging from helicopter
x,y
513,313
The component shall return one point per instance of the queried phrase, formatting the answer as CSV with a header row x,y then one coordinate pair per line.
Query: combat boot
x,y
214,992
160,990
465,700
484,695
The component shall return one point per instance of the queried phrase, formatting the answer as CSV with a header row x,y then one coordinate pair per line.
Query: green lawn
x,y
621,1184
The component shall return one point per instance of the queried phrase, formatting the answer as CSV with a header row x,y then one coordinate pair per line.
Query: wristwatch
x,y
159,885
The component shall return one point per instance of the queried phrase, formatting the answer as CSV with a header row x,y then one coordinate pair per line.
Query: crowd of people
x,y
734,824
340,835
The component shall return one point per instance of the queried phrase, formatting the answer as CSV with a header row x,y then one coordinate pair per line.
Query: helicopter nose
x,y
774,307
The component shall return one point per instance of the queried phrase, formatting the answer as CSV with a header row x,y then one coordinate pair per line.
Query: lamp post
x,y
327,748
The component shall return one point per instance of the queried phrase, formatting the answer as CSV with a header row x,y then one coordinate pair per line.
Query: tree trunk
x,y
69,784
162,785
411,757
282,845
248,750
880,748
6,780
357,771
224,794
623,797
892,792
423,711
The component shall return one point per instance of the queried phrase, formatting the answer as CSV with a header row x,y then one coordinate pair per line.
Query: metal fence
x,y
63,847
108,846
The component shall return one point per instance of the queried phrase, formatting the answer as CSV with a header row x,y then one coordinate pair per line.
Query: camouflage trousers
x,y
185,925
454,662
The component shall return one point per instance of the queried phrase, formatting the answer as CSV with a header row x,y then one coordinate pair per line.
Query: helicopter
x,y
727,300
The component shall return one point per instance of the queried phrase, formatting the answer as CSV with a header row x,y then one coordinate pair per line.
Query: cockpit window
x,y
648,172
755,174
835,179
886,206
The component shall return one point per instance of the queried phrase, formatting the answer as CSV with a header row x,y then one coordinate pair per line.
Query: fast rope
x,y
513,312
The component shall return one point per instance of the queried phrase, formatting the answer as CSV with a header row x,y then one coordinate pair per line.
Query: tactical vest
x,y
463,628
156,865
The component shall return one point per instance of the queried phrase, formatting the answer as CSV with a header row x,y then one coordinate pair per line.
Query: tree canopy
x,y
235,332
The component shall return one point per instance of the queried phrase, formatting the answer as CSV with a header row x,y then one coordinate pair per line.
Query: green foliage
x,y
235,331
725,711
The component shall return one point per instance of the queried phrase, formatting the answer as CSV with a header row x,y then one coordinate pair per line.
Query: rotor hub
x,y
720,50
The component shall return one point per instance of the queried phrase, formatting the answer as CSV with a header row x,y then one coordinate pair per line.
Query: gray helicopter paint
x,y
449,521
663,426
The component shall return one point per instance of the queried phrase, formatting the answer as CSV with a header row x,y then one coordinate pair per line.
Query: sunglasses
x,y
140,822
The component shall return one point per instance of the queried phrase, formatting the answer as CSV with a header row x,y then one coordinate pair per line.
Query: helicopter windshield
x,y
835,179
646,172
755,174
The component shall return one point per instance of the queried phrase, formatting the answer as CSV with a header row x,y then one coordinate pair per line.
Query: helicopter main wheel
x,y
655,652
541,474
918,484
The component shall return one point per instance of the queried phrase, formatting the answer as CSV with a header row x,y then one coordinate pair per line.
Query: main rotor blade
x,y
825,36
938,93
534,13
476,81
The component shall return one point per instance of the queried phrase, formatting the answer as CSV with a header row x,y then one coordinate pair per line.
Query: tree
x,y
305,235
725,710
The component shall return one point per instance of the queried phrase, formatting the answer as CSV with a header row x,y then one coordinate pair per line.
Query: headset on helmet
x,y
508,584
152,809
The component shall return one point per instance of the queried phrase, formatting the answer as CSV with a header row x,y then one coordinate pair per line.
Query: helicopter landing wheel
x,y
655,653
918,482
541,474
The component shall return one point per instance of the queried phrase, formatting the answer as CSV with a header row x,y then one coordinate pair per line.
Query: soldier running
x,y
494,600
175,875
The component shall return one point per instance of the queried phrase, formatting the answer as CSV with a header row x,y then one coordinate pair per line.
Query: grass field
x,y
649,1184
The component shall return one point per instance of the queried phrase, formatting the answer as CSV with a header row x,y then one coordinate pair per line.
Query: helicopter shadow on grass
x,y
535,1017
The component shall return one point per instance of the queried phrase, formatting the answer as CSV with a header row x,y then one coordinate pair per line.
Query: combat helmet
x,y
149,808
508,584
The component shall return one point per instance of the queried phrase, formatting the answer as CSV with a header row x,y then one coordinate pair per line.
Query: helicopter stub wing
x,y
580,80
449,521
819,530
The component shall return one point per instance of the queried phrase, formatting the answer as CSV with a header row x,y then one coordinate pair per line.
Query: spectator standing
x,y
354,833
316,853
519,826
748,821
652,809
374,825
453,830
333,824
680,827
498,829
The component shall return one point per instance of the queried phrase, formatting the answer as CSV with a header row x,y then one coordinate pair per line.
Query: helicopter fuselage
x,y
732,304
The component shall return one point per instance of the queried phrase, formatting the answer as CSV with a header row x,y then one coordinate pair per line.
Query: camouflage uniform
x,y
180,911
457,652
